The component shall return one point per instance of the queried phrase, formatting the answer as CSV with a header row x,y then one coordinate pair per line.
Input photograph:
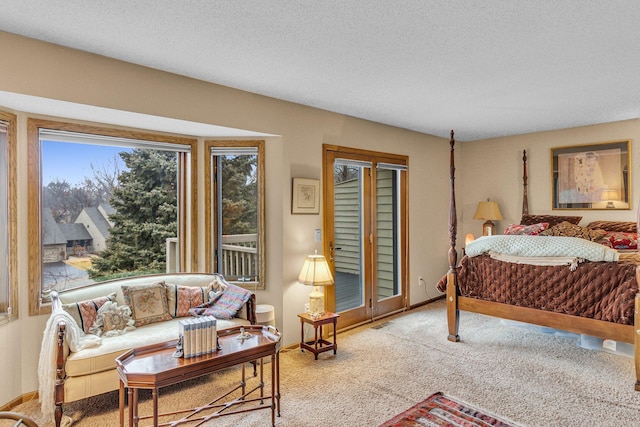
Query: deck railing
x,y
239,257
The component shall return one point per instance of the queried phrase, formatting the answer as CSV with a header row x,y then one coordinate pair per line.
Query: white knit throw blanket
x,y
77,340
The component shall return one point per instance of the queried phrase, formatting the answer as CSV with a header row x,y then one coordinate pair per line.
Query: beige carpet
x,y
529,377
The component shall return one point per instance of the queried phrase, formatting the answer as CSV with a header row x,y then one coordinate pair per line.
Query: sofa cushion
x,y
148,303
85,312
113,319
103,357
181,298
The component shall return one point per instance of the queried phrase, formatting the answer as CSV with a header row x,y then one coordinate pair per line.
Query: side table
x,y
319,344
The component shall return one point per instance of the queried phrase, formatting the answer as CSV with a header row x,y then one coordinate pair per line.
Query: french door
x,y
365,233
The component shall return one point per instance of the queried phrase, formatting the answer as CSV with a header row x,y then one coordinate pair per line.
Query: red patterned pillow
x,y
620,240
182,298
531,230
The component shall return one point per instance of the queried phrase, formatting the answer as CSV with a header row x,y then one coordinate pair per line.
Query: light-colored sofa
x,y
92,371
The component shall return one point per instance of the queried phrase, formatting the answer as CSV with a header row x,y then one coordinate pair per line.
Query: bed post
x,y
453,314
636,319
525,197
636,329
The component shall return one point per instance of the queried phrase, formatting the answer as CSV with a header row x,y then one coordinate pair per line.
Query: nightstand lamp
x,y
488,211
610,196
316,272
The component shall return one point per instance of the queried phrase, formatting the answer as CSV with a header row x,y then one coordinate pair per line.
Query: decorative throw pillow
x,y
225,305
551,219
85,312
217,285
621,226
182,298
148,303
619,240
573,230
112,320
531,230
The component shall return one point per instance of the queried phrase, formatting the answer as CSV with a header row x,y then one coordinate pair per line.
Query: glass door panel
x,y
387,242
349,286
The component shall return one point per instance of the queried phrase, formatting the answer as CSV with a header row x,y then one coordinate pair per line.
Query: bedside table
x,y
319,344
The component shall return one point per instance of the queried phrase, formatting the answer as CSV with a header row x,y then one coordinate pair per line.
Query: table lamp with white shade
x,y
316,272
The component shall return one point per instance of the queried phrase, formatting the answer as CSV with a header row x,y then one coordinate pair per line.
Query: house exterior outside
x,y
88,233
54,242
78,239
96,223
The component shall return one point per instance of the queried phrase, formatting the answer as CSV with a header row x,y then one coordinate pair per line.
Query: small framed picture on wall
x,y
305,198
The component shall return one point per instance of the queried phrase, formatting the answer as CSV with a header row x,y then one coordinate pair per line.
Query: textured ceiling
x,y
484,68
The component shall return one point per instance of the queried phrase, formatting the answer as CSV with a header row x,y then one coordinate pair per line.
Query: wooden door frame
x,y
328,205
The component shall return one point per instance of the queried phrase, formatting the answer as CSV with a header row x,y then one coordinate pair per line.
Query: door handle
x,y
332,250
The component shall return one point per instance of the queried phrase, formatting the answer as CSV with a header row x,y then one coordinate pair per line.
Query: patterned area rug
x,y
439,410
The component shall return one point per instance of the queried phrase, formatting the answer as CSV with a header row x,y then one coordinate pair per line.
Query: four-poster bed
x,y
593,297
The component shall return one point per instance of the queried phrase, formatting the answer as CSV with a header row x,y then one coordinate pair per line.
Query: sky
x,y
72,162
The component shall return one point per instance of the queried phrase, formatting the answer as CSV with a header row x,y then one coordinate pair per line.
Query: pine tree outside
x,y
129,202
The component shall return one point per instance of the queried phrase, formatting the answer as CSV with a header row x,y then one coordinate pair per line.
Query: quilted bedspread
x,y
541,246
598,290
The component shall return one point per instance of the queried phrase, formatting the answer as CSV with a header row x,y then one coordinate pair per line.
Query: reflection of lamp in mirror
x,y
488,211
316,272
610,196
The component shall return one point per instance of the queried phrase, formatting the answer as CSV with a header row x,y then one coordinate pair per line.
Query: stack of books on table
x,y
199,335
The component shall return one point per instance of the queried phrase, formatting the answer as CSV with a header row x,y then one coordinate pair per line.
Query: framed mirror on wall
x,y
592,176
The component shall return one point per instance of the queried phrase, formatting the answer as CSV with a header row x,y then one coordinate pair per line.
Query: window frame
x,y
187,195
11,121
209,201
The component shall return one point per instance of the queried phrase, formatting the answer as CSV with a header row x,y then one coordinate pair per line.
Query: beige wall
x,y
53,72
499,162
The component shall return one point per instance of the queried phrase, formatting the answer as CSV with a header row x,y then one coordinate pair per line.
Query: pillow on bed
x,y
621,226
551,219
531,230
573,230
619,240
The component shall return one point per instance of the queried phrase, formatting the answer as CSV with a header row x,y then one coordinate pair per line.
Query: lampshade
x,y
489,211
315,271
609,196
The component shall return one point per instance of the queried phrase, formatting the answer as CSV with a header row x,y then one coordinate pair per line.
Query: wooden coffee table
x,y
154,366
